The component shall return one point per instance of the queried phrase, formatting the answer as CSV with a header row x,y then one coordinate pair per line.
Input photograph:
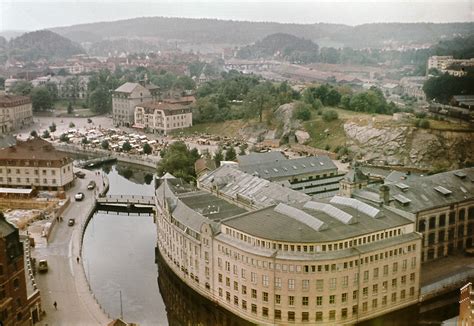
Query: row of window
x,y
36,172
432,222
316,247
319,315
27,180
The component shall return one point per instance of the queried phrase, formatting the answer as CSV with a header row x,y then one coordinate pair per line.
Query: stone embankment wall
x,y
412,147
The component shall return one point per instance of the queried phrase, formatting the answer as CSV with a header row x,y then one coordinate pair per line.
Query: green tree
x,y
258,100
100,100
126,146
64,138
230,154
33,133
53,90
22,87
147,148
71,124
333,98
46,134
84,141
302,111
70,110
330,115
105,144
218,157
52,127
41,99
178,160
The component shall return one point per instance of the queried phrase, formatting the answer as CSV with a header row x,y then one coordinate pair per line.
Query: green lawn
x,y
227,128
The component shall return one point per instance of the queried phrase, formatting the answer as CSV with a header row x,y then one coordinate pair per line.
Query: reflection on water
x,y
186,307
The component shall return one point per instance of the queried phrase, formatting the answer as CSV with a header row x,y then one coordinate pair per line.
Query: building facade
x,y
441,205
35,164
15,113
162,118
466,306
329,262
19,305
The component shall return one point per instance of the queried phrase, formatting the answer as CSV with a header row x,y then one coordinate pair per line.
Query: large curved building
x,y
273,256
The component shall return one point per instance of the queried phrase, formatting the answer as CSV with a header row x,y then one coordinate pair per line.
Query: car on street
x,y
43,266
79,196
91,185
71,222
80,174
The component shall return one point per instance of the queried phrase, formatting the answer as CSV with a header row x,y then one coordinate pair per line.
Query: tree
x,y
230,154
33,133
41,99
71,124
53,90
218,157
147,148
302,111
100,100
84,141
333,98
52,128
72,88
126,146
258,100
22,87
46,134
69,108
178,160
330,115
105,144
64,138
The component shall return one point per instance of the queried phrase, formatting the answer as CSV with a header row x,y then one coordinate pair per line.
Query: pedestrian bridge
x,y
126,200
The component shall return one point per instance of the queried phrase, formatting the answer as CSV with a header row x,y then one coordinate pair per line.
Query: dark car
x,y
71,222
91,185
80,174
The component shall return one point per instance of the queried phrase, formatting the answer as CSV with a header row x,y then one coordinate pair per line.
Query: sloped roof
x,y
128,87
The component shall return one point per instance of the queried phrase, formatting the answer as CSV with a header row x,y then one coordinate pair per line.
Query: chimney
x,y
384,194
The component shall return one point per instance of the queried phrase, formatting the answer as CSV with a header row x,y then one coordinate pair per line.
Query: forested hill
x,y
41,45
240,32
283,46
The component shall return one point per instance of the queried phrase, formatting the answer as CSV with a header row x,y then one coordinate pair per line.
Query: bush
x,y
147,148
420,115
423,123
105,144
126,146
330,115
34,133
302,112
52,128
46,134
71,124
64,138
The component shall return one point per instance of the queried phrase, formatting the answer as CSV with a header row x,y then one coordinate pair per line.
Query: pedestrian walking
x,y
55,304
77,259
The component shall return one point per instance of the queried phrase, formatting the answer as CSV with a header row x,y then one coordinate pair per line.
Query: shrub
x,y
330,115
302,112
64,138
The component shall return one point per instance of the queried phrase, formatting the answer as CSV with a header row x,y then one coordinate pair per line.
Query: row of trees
x,y
442,88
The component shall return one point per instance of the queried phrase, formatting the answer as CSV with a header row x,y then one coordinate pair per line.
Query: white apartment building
x,y
15,113
161,117
35,164
327,262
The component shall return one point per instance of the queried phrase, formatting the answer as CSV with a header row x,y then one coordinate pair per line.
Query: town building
x,y
440,205
127,97
413,86
313,175
447,64
36,164
331,261
466,306
15,113
161,117
9,84
20,302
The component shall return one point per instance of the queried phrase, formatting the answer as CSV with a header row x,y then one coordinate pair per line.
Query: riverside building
x,y
331,261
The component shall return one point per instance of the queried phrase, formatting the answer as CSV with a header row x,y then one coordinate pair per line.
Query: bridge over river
x,y
126,203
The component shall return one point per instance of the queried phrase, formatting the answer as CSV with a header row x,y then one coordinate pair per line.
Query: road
x,y
65,282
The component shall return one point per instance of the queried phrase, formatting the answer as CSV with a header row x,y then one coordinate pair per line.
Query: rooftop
x,y
260,158
12,100
32,149
128,87
302,223
420,193
168,108
281,168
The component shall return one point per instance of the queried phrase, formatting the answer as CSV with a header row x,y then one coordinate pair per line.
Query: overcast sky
x,y
39,14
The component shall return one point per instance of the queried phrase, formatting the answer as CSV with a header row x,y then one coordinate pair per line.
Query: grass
x,y
325,134
60,108
229,128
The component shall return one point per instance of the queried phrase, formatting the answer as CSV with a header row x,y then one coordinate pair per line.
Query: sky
x,y
41,14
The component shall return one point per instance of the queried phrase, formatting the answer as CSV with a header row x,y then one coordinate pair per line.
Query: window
x,y
365,292
244,304
305,316
305,284
253,277
395,267
319,316
332,299
291,284
404,280
227,296
375,289
345,281
355,309
366,276
332,283
265,296
244,289
394,283
402,294
319,301
278,282
384,300
354,295
332,314
344,297
384,286
344,313
236,300
364,306
319,285
220,292
291,316
374,303
385,270
394,296
265,280
277,298
305,301
291,300
254,308
264,311
254,294
278,314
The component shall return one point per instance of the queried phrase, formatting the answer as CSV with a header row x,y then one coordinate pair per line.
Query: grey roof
x,y
237,184
260,158
420,193
355,175
128,87
5,227
357,205
272,225
396,176
288,168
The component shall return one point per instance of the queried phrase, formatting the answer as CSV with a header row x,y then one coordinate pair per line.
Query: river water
x,y
119,260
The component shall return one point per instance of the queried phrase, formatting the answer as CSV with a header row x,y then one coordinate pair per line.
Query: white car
x,y
79,196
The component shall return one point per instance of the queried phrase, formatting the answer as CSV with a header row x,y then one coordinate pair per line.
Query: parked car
x,y
91,185
71,222
43,266
79,196
80,174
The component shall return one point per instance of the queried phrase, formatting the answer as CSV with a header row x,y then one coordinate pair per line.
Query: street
x,y
65,281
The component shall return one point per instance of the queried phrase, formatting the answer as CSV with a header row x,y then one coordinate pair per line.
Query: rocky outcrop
x,y
284,114
409,146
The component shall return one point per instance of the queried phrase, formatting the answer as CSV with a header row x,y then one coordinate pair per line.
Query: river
x,y
119,260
